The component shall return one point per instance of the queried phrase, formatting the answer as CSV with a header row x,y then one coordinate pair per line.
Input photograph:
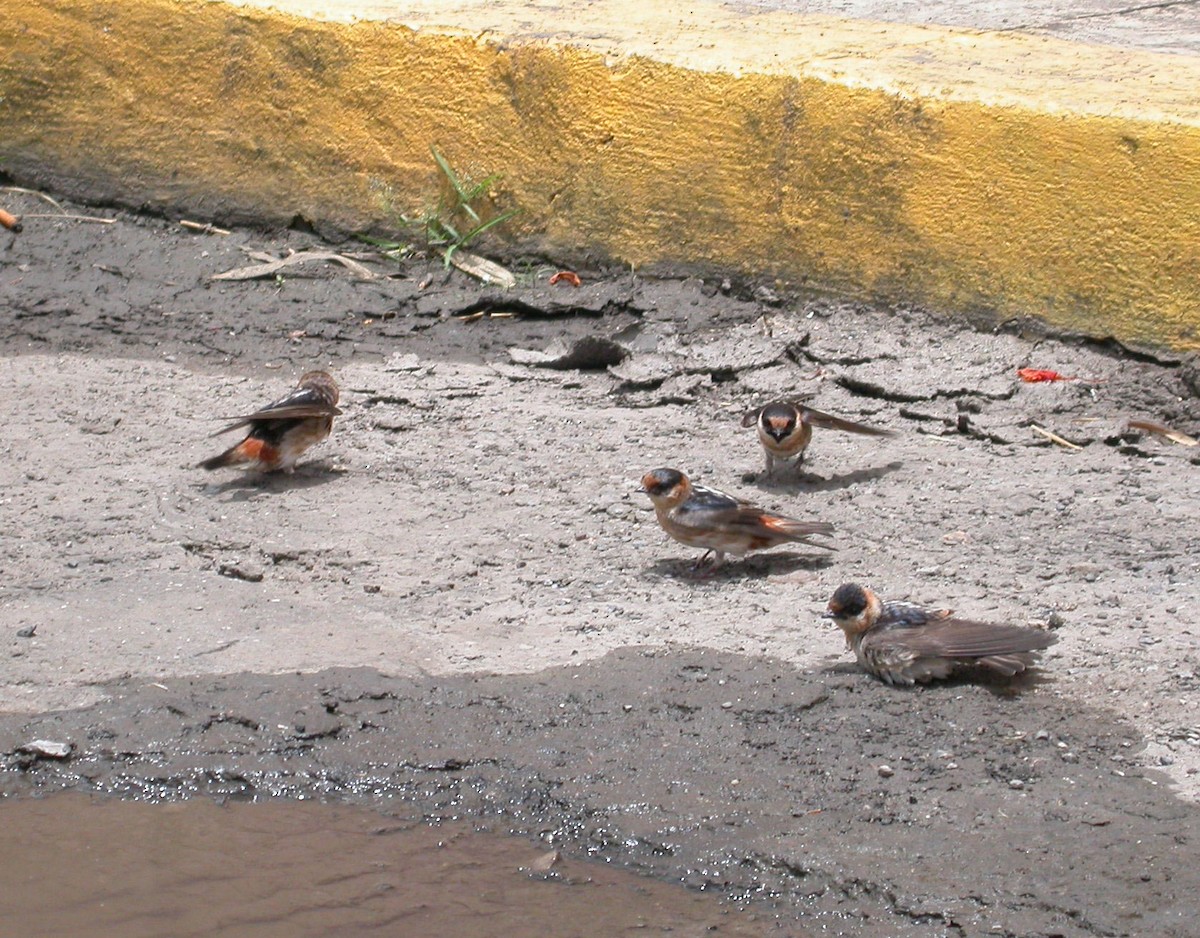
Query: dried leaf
x,y
1173,435
1053,437
482,269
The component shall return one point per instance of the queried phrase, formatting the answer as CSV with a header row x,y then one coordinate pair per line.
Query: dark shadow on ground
x,y
856,808
791,481
1037,677
753,567
251,485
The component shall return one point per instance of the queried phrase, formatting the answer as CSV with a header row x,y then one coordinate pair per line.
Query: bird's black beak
x,y
828,615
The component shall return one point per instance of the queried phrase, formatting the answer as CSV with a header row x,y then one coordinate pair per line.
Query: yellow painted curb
x,y
972,172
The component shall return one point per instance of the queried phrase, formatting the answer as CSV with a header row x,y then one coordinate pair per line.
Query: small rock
x,y
767,296
27,632
646,371
403,362
885,771
1016,784
47,749
546,862
237,570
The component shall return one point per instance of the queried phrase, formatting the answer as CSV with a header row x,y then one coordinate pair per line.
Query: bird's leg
x,y
704,570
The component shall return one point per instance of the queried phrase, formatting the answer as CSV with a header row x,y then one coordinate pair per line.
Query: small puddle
x,y
73,866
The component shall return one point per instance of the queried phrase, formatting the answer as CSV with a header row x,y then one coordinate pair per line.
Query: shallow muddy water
x,y
75,866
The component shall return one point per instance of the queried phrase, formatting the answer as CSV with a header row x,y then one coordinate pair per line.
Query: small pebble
x,y
1016,783
235,570
886,771
546,862
47,749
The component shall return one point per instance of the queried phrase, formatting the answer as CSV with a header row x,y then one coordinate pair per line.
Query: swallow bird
x,y
698,516
785,430
282,431
902,643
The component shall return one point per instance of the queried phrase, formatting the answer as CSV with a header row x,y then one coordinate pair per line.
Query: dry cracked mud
x,y
462,602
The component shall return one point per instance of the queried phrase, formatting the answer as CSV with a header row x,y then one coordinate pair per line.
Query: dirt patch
x,y
472,515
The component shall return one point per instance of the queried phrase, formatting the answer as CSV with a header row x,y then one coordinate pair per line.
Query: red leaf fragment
x,y
1034,375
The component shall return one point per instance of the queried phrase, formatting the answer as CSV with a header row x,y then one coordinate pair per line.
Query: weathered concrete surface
x,y
986,173
1170,26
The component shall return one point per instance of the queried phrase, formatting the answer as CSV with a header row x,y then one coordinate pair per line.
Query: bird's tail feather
x,y
249,450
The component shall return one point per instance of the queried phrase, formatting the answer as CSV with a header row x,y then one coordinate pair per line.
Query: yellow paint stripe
x,y
977,173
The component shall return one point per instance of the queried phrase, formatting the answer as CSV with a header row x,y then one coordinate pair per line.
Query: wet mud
x,y
461,606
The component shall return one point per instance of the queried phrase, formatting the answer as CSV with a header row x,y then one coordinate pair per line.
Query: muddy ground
x,y
461,600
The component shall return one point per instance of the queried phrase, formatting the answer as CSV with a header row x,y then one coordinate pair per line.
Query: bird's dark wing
x,y
302,402
963,639
706,508
902,615
709,509
818,418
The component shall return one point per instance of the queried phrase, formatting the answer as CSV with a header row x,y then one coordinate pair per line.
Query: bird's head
x,y
778,420
666,487
853,608
321,382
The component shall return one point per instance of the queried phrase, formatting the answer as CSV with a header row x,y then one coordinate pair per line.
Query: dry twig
x,y
1053,437
271,268
208,228
65,217
1173,435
